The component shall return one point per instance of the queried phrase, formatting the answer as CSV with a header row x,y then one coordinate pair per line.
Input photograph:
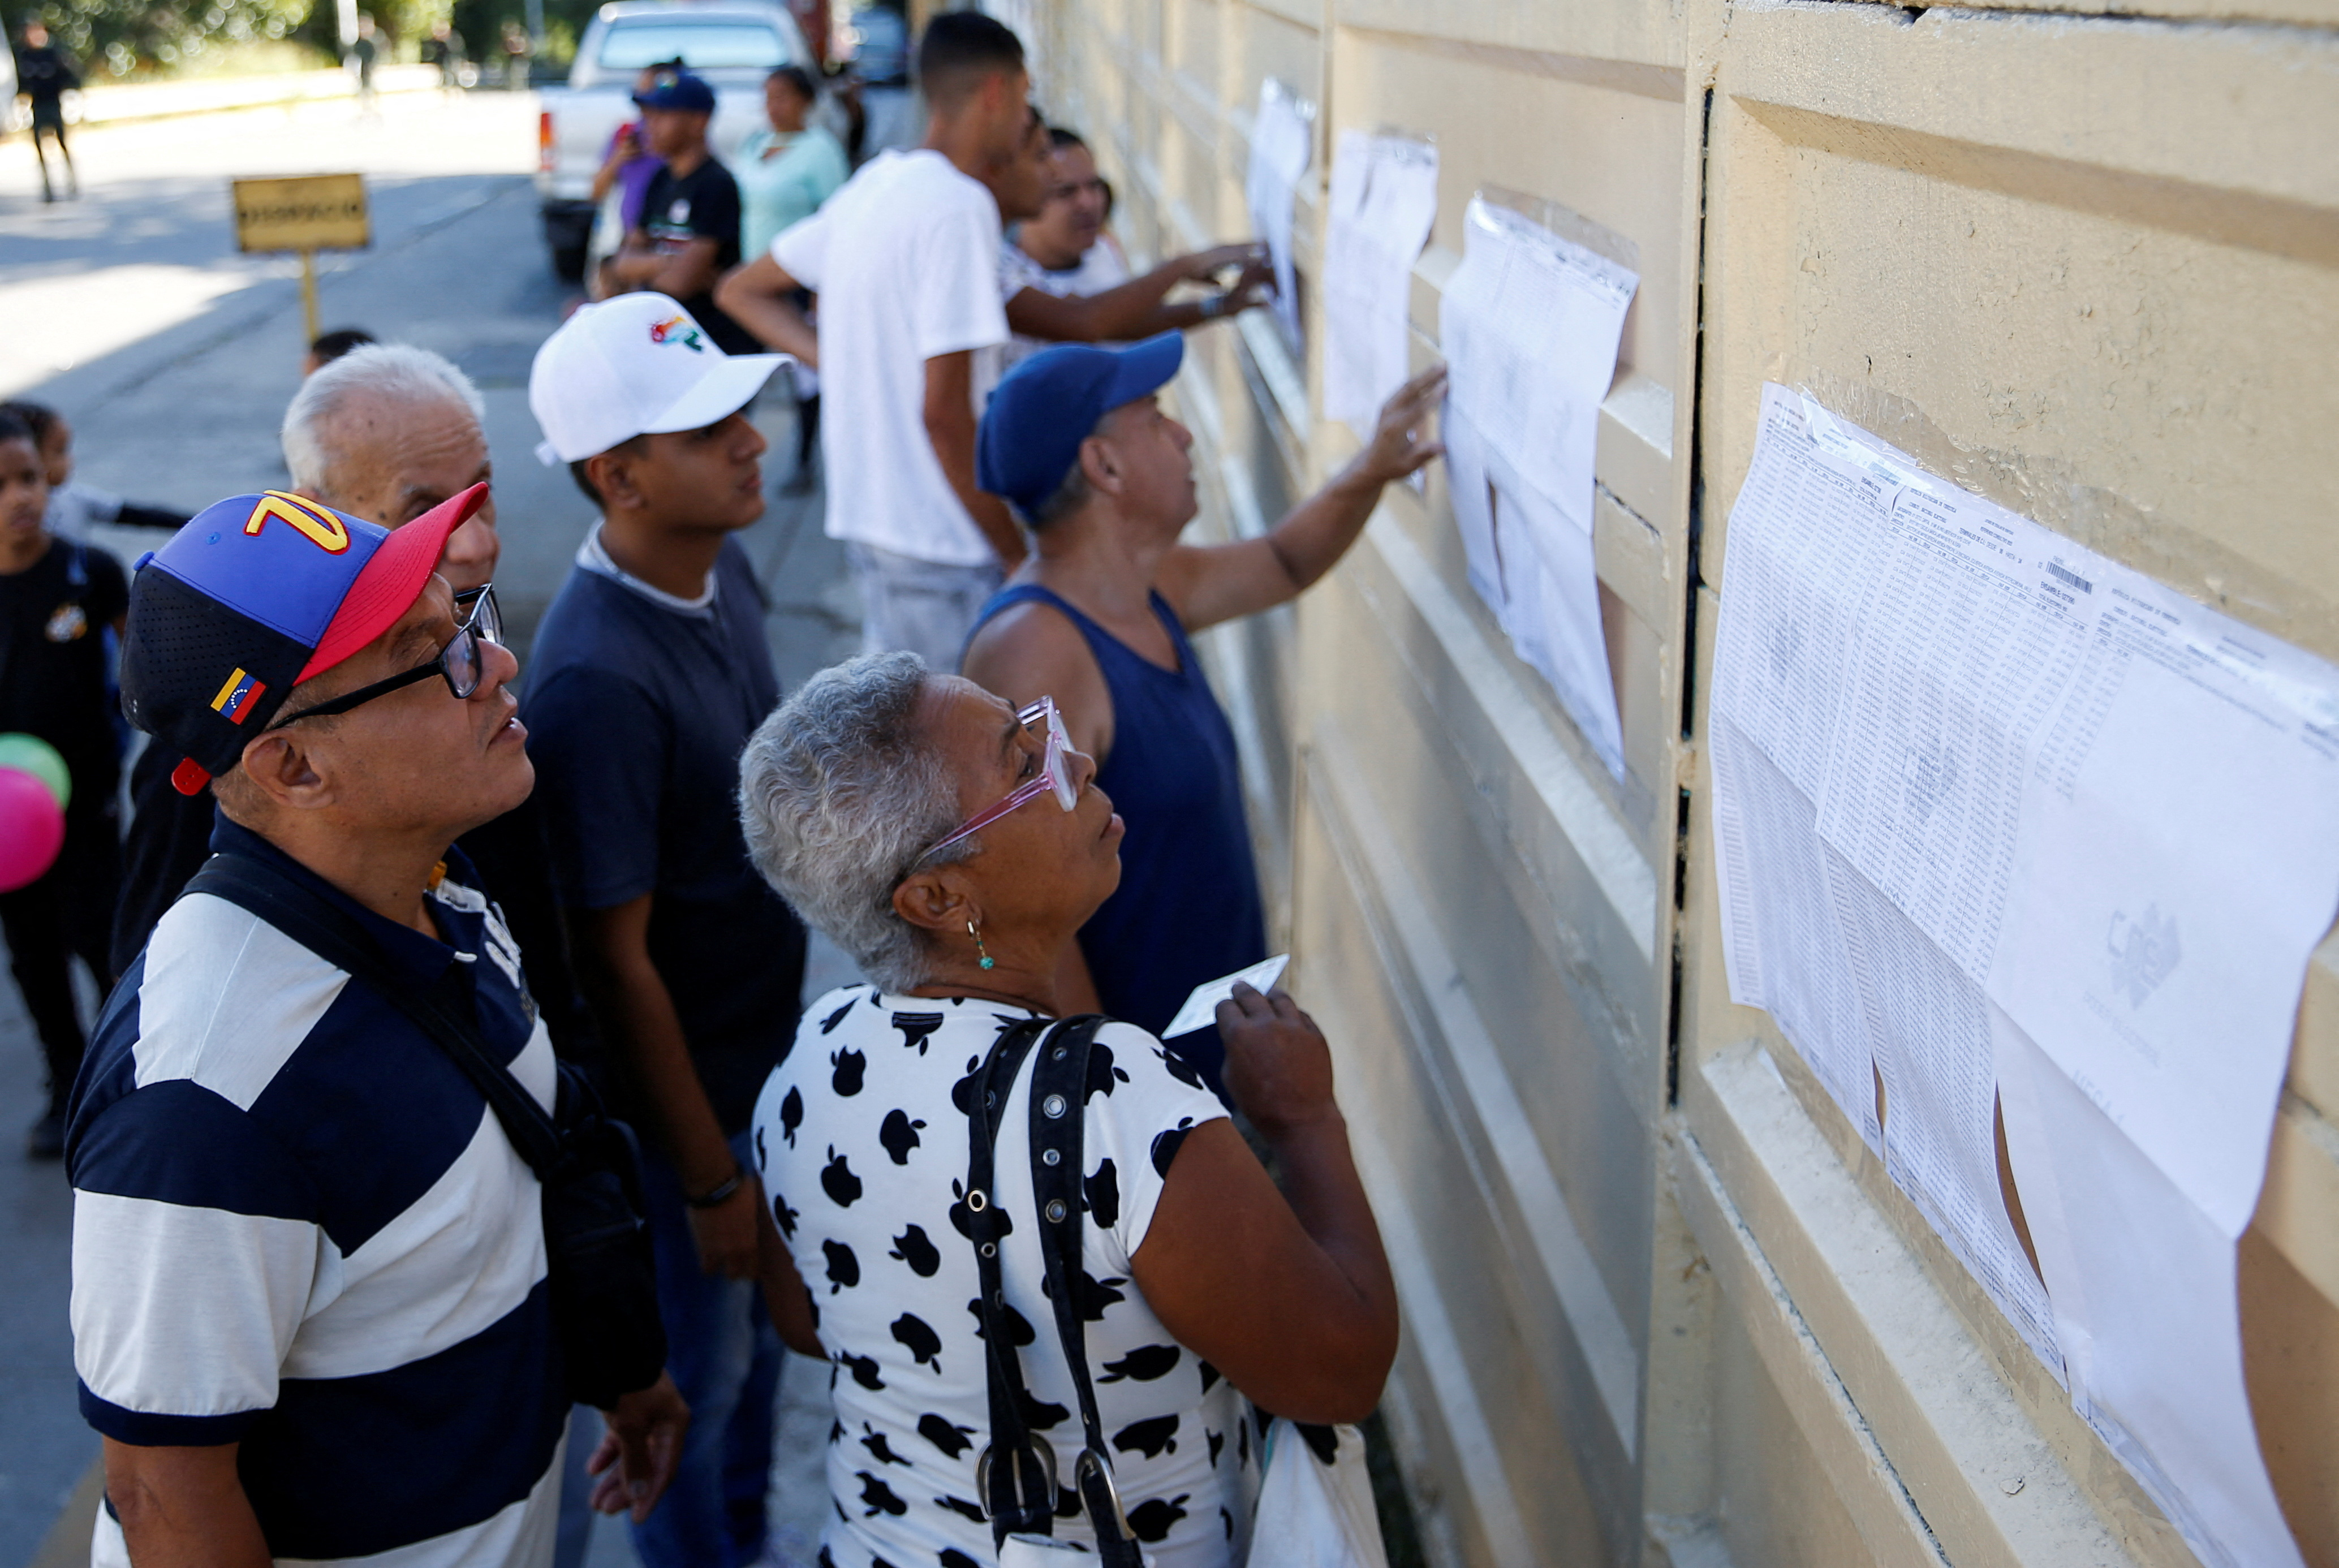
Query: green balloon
x,y
39,758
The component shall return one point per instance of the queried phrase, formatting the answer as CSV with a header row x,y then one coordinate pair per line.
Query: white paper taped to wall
x,y
1382,200
1529,325
2054,798
1282,134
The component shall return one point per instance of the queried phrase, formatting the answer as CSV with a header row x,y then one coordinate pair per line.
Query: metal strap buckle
x,y
1091,1463
1039,1450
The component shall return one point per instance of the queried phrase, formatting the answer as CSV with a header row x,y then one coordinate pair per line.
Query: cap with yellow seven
x,y
251,598
636,365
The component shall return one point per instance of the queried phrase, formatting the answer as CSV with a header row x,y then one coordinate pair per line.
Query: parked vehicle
x,y
732,44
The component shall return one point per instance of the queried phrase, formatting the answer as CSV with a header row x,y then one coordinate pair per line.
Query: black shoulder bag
x,y
603,1281
1016,1475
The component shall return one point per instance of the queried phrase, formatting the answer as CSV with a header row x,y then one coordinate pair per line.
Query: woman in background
x,y
787,169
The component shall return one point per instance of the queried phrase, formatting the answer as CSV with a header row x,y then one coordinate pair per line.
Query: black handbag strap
x,y
331,932
1021,1496
1016,1477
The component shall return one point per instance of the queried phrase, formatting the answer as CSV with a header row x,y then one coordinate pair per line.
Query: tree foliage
x,y
119,35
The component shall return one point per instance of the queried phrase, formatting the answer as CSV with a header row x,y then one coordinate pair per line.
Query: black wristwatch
x,y
716,1196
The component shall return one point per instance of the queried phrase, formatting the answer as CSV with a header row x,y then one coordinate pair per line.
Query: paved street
x,y
174,357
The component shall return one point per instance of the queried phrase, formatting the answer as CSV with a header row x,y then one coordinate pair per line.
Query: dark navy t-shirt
x,y
636,714
1188,908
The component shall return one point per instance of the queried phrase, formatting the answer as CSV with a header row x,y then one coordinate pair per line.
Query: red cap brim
x,y
391,580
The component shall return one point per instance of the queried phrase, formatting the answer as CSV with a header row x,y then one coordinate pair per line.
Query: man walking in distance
x,y
44,75
311,1311
650,672
905,260
688,232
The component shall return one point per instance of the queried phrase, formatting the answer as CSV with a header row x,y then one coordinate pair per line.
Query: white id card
x,y
1202,1008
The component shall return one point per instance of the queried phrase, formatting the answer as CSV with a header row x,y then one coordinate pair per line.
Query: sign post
x,y
309,213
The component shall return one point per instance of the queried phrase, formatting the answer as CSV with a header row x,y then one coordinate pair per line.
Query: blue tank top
x,y
1188,908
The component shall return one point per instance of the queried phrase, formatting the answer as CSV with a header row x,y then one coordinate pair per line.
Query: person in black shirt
x,y
688,234
73,506
58,600
45,76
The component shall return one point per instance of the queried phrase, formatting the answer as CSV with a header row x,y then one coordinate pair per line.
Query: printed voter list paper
x,y
1202,1008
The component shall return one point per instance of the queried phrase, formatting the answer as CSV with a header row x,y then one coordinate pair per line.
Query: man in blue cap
x,y
310,1309
688,235
1077,441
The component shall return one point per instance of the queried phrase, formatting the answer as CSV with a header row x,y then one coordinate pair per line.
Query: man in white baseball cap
x,y
649,673
636,365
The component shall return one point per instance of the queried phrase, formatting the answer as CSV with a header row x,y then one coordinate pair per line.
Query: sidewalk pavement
x,y
114,103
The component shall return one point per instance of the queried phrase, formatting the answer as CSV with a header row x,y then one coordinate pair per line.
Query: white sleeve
x,y
182,1315
957,304
1142,1102
1017,272
802,249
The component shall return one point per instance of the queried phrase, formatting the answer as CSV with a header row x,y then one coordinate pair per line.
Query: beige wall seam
x,y
1939,1413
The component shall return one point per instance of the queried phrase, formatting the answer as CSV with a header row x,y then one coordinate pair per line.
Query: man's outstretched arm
x,y
757,297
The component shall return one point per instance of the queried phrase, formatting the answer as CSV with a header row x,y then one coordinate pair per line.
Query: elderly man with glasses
x,y
385,432
312,1314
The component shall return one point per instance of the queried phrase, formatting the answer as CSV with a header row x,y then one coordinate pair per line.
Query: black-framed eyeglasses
x,y
461,661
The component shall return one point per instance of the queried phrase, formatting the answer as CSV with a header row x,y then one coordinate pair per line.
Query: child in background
x,y
330,346
73,506
58,598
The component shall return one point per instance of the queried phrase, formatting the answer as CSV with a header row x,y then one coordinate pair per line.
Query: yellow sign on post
x,y
309,213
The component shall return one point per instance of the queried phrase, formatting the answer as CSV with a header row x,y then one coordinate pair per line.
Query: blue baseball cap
x,y
672,89
1047,406
253,595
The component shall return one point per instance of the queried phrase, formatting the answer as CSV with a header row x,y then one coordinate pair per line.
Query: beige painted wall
x,y
1662,1305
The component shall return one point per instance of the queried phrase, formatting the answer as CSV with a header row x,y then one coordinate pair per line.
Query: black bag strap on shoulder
x,y
1017,1474
1015,1478
328,931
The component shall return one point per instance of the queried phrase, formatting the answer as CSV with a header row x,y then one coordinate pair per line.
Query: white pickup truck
x,y
734,44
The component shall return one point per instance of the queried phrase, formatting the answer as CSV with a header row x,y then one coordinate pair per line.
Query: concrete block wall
x,y
1662,1305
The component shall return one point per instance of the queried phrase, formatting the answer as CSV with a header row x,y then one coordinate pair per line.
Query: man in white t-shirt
x,y
905,260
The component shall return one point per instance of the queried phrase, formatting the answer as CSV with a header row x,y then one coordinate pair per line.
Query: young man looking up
x,y
310,1309
688,234
651,671
905,260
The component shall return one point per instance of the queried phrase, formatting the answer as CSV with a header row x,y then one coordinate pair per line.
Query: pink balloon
x,y
32,829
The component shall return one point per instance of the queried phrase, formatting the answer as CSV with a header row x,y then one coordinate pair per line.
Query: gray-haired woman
x,y
954,846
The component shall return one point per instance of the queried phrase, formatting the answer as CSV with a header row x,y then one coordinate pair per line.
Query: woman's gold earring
x,y
987,960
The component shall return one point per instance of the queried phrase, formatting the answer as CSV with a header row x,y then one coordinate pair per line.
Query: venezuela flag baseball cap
x,y
253,597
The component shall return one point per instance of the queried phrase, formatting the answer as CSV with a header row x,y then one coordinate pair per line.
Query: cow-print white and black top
x,y
861,1136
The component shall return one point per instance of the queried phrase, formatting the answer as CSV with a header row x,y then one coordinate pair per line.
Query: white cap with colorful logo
x,y
636,365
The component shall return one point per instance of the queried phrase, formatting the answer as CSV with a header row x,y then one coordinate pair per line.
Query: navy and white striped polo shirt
x,y
298,1226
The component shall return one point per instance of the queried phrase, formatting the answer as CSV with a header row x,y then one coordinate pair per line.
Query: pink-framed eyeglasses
x,y
1053,775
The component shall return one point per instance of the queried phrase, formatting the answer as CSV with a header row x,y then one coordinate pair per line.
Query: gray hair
x,y
397,371
1066,499
839,792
